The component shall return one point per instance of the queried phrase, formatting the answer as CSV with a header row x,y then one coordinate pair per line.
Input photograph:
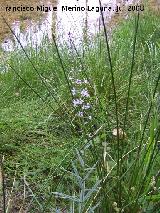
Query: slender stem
x,y
131,73
3,184
61,62
116,108
39,75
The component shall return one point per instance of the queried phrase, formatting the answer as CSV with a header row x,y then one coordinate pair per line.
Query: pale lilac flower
x,y
78,81
87,106
77,102
73,91
86,81
85,93
80,114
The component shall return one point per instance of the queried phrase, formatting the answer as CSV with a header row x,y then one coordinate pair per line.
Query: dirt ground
x,y
11,16
155,5
23,16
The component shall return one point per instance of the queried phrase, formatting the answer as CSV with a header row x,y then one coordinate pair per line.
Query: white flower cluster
x,y
81,94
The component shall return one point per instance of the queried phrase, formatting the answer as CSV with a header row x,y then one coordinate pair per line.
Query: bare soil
x,y
23,16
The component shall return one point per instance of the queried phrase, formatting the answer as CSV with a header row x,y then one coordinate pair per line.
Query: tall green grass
x,y
67,163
